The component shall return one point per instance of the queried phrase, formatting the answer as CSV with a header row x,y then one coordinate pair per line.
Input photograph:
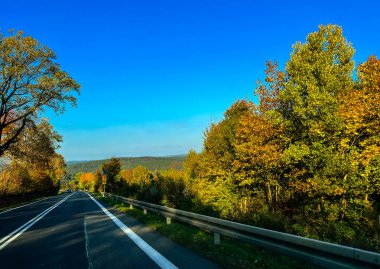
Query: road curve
x,y
73,231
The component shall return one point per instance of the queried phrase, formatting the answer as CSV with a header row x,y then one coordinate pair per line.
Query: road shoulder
x,y
177,254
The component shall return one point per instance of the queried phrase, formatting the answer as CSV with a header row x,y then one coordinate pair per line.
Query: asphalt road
x,y
73,231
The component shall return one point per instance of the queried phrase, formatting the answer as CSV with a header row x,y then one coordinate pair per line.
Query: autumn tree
x,y
327,194
174,189
127,184
110,170
30,82
259,148
141,176
360,112
139,183
34,164
87,181
317,71
216,185
219,139
191,165
126,175
367,133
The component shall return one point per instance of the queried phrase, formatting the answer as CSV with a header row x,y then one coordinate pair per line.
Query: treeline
x,y
152,163
304,160
169,187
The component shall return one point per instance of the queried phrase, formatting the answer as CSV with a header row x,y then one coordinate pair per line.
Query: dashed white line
x,y
86,239
160,260
16,233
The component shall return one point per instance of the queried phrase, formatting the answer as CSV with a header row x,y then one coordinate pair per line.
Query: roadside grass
x,y
230,253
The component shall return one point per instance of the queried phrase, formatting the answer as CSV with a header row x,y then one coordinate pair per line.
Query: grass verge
x,y
230,253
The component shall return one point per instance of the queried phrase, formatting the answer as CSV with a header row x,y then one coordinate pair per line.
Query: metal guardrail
x,y
313,251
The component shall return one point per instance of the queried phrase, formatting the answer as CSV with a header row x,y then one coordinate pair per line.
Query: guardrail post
x,y
216,238
145,211
130,206
168,220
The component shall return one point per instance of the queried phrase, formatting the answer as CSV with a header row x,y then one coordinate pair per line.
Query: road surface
x,y
75,231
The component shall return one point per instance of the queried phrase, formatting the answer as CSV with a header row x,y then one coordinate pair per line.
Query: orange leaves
x,y
87,179
268,93
360,111
126,175
369,74
258,139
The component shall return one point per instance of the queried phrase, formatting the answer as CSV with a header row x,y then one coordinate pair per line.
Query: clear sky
x,y
155,74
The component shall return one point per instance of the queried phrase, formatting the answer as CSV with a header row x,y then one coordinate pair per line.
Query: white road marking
x,y
86,239
160,260
2,212
16,233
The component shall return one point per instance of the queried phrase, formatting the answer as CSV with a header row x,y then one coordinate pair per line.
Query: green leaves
x,y
318,71
310,148
30,82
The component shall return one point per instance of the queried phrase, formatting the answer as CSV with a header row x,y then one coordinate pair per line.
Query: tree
x,y
259,146
111,170
360,111
34,164
317,72
87,181
329,195
36,143
99,176
172,185
126,175
218,150
216,185
30,82
191,165
141,176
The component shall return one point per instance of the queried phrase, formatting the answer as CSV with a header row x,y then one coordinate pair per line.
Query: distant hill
x,y
152,163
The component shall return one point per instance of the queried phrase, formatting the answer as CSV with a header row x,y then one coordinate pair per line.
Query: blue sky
x,y
155,74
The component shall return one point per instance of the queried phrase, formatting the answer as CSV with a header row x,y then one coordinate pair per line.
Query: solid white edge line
x,y
160,260
9,238
42,199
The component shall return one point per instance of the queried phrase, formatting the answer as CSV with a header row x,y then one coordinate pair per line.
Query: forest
x,y
152,163
304,159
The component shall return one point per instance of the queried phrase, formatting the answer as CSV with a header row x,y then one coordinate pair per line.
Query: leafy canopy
x,y
30,82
